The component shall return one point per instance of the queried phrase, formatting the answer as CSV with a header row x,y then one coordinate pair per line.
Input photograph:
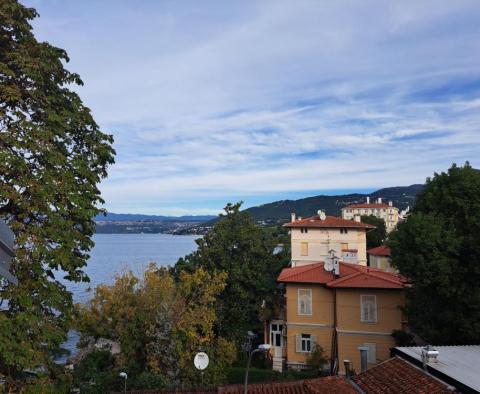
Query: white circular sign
x,y
201,361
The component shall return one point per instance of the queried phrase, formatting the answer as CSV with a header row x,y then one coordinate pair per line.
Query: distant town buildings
x,y
379,209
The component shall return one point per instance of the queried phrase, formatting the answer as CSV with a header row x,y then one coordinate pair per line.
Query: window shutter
x,y
298,343
368,308
371,353
313,344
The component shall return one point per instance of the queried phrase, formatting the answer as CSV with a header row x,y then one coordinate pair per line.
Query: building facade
x,y
379,257
313,239
379,209
333,299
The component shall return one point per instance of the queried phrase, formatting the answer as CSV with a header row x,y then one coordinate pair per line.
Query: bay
x,y
114,254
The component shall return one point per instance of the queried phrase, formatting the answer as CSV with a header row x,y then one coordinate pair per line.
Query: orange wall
x,y
389,315
352,333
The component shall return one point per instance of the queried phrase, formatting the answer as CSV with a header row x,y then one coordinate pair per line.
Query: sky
x,y
220,101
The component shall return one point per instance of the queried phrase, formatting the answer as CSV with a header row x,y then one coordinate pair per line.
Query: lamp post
x,y
261,349
124,376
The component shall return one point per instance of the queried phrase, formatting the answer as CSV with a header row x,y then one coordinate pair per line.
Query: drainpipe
x,y
334,351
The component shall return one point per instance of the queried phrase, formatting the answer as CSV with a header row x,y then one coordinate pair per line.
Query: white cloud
x,y
235,99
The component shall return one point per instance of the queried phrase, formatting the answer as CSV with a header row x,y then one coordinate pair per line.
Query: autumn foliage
x,y
161,323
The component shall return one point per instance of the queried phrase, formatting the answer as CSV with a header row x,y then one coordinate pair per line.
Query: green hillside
x,y
278,211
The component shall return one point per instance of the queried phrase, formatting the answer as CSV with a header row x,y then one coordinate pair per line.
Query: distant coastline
x,y
270,214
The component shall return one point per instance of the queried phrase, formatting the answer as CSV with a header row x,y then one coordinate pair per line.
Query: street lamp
x,y
124,376
261,349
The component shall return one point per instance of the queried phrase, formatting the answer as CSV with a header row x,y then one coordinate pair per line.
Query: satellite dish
x,y
328,266
201,361
321,214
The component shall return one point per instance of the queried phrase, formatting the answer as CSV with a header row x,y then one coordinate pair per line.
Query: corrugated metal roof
x,y
461,363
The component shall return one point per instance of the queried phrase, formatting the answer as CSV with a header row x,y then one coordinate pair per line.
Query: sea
x,y
114,254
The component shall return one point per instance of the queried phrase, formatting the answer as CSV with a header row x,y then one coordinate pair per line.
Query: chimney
x,y
429,356
363,358
293,217
357,218
390,203
368,200
379,200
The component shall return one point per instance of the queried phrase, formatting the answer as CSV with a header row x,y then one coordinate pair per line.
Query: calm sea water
x,y
116,253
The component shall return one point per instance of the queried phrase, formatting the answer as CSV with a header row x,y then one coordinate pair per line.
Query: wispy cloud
x,y
246,100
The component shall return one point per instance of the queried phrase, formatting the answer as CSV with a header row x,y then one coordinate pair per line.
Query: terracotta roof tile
x,y
398,376
329,222
351,276
381,250
325,385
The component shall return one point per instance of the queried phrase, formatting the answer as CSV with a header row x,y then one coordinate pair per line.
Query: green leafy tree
x,y
160,324
52,157
377,236
438,248
246,252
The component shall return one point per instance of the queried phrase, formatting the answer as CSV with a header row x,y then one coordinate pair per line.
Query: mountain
x,y
131,217
278,211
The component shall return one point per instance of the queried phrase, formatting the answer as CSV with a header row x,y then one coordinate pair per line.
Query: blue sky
x,y
218,101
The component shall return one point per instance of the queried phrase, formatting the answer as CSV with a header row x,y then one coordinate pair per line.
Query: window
x,y
276,335
343,231
304,230
304,249
368,309
371,352
305,343
304,301
344,246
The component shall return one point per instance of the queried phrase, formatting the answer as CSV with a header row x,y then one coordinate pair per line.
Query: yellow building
x,y
358,306
387,212
313,239
379,257
332,298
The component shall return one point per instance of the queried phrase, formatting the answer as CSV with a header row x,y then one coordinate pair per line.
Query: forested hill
x,y
402,196
131,217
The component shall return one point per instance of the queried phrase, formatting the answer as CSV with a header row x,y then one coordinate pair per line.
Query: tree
x,y
237,246
437,248
377,236
160,324
52,157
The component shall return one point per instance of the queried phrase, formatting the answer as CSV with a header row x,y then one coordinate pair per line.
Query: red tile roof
x,y
399,376
372,205
329,222
351,276
325,385
381,250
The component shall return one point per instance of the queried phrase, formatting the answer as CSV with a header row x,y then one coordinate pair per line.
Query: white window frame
x,y
363,301
299,302
302,344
